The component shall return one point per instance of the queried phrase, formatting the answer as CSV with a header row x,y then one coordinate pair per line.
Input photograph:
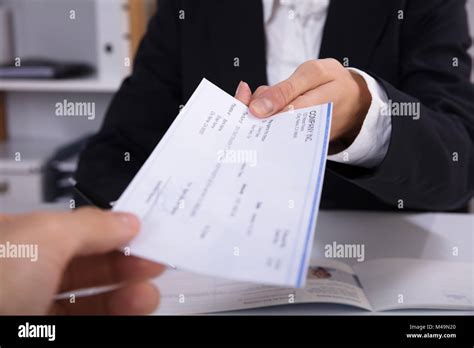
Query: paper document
x,y
228,195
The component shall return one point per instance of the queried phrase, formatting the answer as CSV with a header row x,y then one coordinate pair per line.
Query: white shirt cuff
x,y
371,144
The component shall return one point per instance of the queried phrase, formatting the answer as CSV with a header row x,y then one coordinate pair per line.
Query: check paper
x,y
228,195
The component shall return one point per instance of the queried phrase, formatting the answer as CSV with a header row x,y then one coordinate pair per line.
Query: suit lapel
x,y
353,29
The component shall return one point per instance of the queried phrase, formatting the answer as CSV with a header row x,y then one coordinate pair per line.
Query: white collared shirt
x,y
294,32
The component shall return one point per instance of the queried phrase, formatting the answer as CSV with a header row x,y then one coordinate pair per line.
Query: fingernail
x,y
238,87
262,107
129,221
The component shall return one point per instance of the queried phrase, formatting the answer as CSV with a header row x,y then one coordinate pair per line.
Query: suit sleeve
x,y
140,113
429,164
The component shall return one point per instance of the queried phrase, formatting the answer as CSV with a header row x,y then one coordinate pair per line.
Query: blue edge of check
x,y
316,198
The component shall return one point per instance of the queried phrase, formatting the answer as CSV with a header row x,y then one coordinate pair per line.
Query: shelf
x,y
91,84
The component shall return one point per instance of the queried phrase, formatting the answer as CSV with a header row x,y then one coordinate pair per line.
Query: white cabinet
x,y
101,33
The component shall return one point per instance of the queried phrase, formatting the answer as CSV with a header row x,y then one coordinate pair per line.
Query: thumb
x,y
307,76
274,99
95,231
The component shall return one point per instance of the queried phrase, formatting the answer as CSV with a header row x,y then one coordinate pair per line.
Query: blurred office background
x,y
38,148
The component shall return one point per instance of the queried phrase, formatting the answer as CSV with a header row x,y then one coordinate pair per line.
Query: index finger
x,y
82,232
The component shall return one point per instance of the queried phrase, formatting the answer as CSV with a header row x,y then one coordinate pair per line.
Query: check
x,y
228,195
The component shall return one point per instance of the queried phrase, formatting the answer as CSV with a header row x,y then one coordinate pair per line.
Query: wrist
x,y
361,106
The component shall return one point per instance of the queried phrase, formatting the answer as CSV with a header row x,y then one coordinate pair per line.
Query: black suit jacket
x,y
413,58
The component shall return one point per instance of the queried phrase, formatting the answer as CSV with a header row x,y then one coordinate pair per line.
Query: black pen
x,y
77,188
